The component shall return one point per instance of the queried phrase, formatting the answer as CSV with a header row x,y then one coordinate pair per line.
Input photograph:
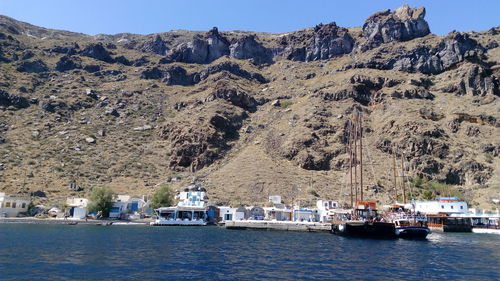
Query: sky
x,y
153,16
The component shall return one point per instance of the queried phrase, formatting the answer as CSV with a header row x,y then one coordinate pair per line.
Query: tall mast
x,y
403,179
394,174
360,155
350,158
356,158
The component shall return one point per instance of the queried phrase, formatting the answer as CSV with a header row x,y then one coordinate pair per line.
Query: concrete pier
x,y
279,225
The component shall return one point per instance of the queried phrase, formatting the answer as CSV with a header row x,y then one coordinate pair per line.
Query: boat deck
x,y
279,225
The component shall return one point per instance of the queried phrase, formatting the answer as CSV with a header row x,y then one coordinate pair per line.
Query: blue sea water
x,y
84,252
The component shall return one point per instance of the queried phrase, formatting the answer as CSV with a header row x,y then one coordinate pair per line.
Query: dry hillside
x,y
251,114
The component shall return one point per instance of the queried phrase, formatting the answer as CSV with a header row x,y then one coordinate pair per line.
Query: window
x,y
462,207
7,204
24,205
452,207
14,205
442,206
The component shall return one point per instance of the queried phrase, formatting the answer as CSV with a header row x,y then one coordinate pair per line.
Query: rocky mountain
x,y
251,114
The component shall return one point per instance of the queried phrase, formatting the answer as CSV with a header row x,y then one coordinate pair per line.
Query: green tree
x,y
163,197
101,200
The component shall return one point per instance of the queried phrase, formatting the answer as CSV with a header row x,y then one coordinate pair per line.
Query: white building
x,y
279,214
11,205
227,213
125,205
77,207
326,209
446,205
303,214
275,199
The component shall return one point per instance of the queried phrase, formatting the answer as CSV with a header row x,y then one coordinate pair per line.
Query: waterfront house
x,y
77,207
12,205
304,214
241,213
279,213
227,213
326,209
127,206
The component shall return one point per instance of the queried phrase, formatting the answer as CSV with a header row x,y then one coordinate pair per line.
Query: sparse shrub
x,y
286,103
163,197
101,200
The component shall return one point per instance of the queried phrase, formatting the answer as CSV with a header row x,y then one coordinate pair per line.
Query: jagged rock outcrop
x,y
478,81
198,142
156,46
97,51
468,172
233,96
35,66
403,24
248,48
201,49
454,48
66,63
233,68
177,75
326,42
15,101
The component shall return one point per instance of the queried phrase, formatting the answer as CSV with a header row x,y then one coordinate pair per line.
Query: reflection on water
x,y
60,252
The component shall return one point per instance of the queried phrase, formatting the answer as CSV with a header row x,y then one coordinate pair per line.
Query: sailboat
x,y
365,220
408,223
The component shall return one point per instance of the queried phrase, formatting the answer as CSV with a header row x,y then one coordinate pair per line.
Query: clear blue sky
x,y
144,17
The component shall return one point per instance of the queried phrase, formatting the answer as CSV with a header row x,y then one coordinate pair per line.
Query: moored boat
x,y
365,222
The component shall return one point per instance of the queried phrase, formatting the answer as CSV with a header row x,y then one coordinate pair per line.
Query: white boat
x,y
190,209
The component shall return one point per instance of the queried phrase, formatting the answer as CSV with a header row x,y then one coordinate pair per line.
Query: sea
x,y
90,252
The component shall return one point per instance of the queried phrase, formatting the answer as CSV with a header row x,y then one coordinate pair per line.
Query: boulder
x,y
123,60
92,68
176,75
403,24
155,46
66,63
15,101
97,51
35,66
90,140
233,96
248,48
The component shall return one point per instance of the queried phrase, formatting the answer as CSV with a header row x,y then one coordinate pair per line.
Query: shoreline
x,y
70,221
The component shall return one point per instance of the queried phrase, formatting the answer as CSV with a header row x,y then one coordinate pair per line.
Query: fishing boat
x,y
189,211
409,225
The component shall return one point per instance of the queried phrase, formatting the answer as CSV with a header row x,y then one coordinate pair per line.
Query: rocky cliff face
x,y
250,113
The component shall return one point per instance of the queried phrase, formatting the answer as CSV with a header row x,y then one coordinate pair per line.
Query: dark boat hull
x,y
413,232
366,230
